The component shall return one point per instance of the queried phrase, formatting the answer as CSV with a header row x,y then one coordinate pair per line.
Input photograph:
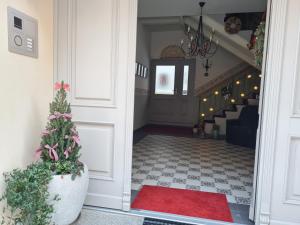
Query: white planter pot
x,y
71,193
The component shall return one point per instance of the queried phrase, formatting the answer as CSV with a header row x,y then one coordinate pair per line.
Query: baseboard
x,y
140,128
186,125
280,222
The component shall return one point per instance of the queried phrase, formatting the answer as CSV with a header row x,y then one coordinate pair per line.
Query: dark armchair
x,y
242,131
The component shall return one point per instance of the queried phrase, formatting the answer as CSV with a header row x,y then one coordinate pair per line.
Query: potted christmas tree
x,y
60,148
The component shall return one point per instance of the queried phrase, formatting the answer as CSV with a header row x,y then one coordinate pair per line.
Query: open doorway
x,y
196,119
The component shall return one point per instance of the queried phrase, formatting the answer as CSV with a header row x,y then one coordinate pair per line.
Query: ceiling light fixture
x,y
198,44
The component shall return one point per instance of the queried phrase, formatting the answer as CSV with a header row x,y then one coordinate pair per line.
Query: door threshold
x,y
163,216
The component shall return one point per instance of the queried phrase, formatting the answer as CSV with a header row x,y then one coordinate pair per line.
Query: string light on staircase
x,y
202,114
232,100
211,109
237,82
216,92
204,99
255,88
249,76
242,95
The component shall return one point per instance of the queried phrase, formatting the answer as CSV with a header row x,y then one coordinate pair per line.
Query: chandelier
x,y
197,44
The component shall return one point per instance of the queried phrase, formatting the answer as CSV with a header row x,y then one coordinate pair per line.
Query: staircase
x,y
216,107
220,120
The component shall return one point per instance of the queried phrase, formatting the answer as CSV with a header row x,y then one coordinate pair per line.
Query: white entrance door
x,y
278,192
286,178
172,99
95,53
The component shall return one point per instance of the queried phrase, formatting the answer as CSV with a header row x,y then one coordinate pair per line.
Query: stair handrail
x,y
229,105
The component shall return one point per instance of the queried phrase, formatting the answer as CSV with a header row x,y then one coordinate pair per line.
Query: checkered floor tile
x,y
195,164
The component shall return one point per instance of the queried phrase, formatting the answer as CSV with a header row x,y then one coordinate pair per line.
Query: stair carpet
x,y
220,120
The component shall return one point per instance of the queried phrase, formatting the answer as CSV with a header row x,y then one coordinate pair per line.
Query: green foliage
x,y
60,141
27,196
259,44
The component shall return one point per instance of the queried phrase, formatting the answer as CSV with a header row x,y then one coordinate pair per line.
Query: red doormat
x,y
183,202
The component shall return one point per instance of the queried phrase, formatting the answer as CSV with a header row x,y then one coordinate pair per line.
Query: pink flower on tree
x,y
52,152
38,153
67,151
45,133
76,140
58,86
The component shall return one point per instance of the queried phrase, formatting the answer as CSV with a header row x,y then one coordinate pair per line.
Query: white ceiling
x,y
168,8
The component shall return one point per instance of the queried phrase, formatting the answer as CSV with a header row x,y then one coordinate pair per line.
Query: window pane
x,y
185,85
165,80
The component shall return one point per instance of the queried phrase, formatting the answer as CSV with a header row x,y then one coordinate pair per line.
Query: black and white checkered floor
x,y
196,164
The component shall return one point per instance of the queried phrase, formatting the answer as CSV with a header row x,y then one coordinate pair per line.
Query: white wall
x,y
222,61
25,87
141,84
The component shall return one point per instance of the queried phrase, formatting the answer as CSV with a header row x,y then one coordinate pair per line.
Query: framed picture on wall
x,y
136,68
145,72
141,70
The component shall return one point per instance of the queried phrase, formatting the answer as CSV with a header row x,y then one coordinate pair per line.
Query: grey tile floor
x,y
195,164
94,217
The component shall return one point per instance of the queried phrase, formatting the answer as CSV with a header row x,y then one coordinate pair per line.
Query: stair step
x,y
219,116
221,122
209,121
227,110
253,101
208,126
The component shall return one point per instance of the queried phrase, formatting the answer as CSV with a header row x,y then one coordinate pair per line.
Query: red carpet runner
x,y
183,202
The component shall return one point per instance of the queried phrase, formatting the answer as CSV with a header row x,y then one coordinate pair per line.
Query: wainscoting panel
x,y
94,56
293,173
97,140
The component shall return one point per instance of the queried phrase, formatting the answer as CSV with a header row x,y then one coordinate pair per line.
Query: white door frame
x,y
272,74
252,210
130,104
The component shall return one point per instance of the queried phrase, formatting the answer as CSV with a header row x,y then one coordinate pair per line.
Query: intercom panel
x,y
22,33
